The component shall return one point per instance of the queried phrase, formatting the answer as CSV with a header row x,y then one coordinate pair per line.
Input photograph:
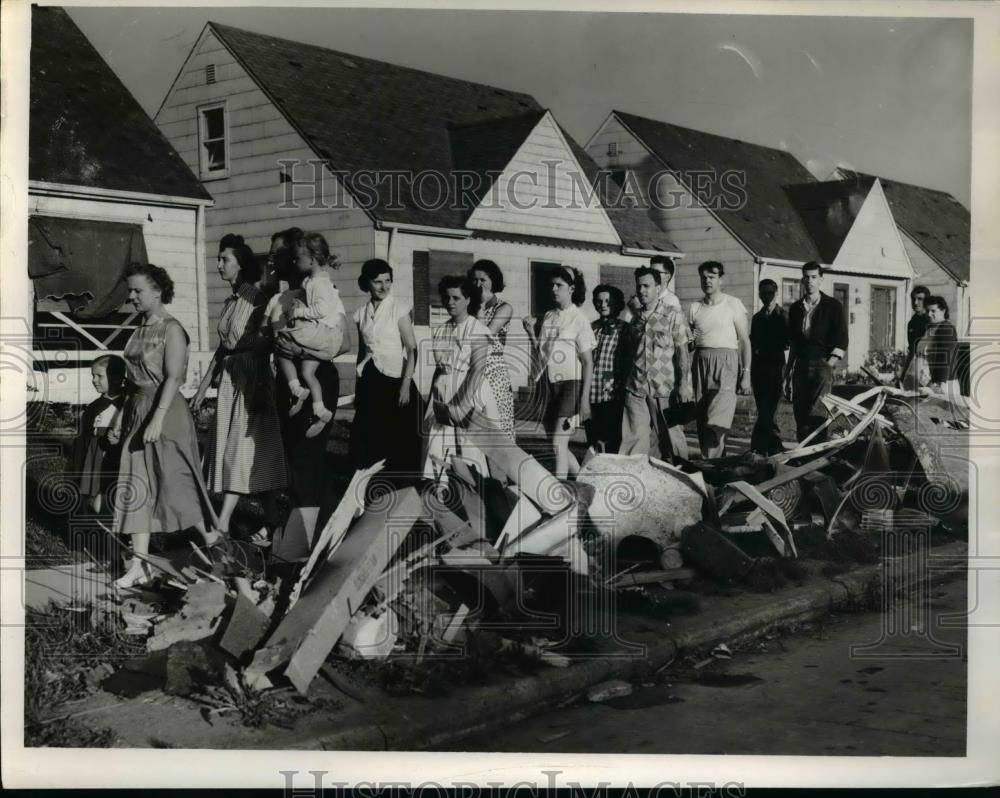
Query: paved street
x,y
799,694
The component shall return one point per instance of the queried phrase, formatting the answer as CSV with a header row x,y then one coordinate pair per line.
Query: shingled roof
x,y
85,128
361,114
767,223
938,222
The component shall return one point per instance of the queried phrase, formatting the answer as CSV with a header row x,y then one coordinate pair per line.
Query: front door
x,y
883,320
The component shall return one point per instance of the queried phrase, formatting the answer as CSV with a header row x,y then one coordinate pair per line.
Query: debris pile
x,y
414,573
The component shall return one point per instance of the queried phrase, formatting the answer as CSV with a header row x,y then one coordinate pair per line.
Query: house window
x,y
213,137
791,291
428,269
541,287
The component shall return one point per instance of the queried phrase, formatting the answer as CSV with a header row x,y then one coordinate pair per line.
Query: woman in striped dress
x,y
495,314
245,455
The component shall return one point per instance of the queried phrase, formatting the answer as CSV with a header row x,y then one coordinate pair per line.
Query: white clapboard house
x,y
761,213
105,189
426,171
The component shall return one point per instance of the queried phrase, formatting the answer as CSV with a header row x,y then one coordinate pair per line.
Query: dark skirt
x,y
383,430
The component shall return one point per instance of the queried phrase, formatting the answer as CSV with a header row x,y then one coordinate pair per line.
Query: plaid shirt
x,y
655,334
609,368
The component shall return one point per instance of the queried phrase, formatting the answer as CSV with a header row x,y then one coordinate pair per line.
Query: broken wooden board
x,y
368,637
245,629
294,541
313,626
531,477
653,577
835,443
524,516
773,517
67,585
351,504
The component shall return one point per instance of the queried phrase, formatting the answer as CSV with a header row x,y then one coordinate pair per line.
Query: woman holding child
x,y
244,454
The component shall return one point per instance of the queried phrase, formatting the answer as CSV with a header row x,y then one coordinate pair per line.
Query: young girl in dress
x,y
98,446
314,331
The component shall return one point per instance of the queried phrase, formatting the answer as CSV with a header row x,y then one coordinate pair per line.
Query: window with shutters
x,y
428,269
213,138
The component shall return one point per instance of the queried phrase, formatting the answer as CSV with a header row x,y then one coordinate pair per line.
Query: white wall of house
x,y
873,243
687,223
170,235
537,193
250,199
859,305
930,274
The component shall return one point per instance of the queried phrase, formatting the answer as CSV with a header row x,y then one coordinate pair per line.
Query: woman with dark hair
x,y
461,395
496,314
160,487
387,407
607,389
938,347
563,364
244,453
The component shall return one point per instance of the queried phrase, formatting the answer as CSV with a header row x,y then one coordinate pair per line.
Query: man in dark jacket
x,y
817,326
768,342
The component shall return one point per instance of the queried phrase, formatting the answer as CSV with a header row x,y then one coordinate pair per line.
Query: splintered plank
x,y
309,631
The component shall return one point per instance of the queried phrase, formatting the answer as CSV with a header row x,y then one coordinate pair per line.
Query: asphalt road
x,y
800,694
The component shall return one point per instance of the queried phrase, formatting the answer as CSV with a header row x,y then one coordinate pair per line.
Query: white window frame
x,y
203,170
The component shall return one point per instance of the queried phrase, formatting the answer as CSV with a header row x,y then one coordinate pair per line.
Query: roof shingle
x,y
85,128
765,220
938,222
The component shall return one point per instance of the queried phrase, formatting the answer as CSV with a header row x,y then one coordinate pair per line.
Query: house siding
x,y
930,274
557,208
873,243
249,200
688,224
170,238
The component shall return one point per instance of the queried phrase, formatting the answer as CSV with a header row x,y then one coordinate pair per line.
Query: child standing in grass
x,y
97,448
314,330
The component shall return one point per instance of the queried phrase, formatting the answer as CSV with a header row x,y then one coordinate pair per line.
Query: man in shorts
x,y
721,365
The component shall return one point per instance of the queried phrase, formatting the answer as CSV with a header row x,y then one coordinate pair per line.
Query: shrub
x,y
883,361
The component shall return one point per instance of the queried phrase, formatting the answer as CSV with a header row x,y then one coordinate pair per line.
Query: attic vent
x,y
612,149
347,62
210,73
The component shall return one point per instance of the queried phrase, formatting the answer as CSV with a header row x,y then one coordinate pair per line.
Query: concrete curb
x,y
477,710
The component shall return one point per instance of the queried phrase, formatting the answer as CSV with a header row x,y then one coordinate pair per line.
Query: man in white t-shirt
x,y
667,298
721,365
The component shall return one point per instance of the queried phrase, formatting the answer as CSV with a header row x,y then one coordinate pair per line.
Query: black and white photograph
x,y
471,381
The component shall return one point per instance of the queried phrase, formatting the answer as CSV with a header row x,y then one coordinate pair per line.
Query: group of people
x,y
645,366
657,366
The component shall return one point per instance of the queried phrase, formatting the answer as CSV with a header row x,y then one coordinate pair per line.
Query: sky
x,y
892,97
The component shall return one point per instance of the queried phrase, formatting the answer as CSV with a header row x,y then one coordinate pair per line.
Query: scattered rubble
x,y
465,566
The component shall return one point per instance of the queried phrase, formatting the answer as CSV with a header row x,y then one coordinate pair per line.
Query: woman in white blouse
x,y
387,407
462,398
563,364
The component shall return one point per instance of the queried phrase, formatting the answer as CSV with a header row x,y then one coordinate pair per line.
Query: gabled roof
x,y
85,128
360,114
485,148
935,220
828,210
766,222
